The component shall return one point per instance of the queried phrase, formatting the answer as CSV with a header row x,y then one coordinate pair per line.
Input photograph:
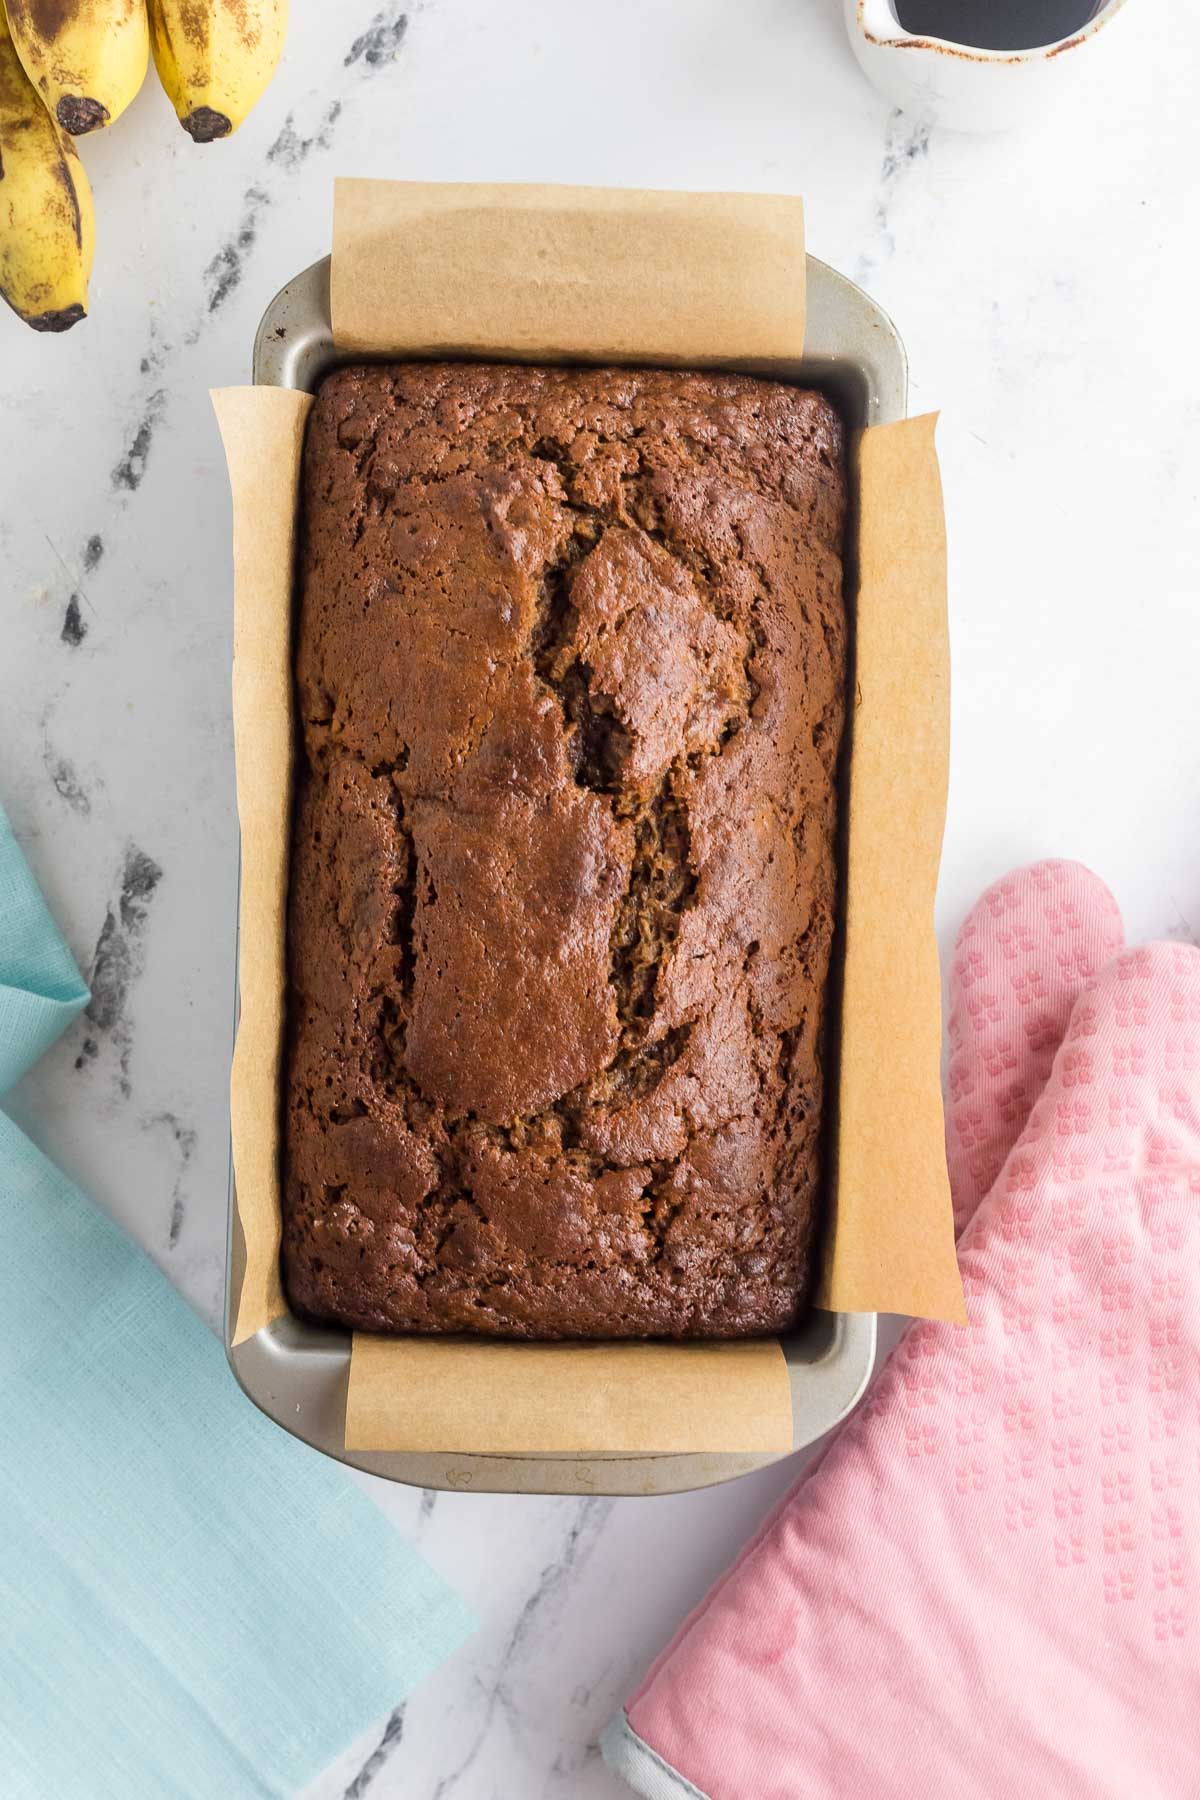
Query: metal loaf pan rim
x,y
297,1374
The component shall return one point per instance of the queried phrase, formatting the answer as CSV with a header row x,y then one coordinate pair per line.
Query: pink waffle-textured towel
x,y
986,1588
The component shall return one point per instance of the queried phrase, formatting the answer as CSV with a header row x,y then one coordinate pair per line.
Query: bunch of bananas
x,y
72,66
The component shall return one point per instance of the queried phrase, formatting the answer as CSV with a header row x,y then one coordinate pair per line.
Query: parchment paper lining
x,y
591,275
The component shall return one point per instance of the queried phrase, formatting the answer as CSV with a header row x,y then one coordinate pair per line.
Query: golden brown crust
x,y
571,655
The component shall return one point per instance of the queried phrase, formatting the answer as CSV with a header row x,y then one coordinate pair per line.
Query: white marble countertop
x,y
1044,284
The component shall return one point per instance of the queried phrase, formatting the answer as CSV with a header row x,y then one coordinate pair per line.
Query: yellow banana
x,y
47,226
86,58
215,57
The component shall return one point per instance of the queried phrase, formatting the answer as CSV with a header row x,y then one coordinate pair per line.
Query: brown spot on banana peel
x,y
42,18
204,124
78,114
46,19
68,187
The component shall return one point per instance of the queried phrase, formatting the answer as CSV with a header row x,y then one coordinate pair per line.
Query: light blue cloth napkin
x,y
192,1603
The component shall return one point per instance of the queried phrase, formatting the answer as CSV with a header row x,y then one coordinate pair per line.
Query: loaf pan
x,y
297,1373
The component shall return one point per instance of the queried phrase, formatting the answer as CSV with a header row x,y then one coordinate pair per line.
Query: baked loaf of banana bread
x,y
570,672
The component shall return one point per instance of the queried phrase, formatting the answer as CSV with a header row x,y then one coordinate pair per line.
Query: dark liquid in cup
x,y
997,24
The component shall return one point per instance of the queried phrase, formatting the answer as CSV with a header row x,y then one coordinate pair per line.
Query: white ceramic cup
x,y
958,85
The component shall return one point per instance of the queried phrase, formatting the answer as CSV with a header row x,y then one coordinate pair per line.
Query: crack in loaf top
x,y
570,662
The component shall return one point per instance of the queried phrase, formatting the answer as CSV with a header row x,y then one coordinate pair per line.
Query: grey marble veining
x,y
1043,285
